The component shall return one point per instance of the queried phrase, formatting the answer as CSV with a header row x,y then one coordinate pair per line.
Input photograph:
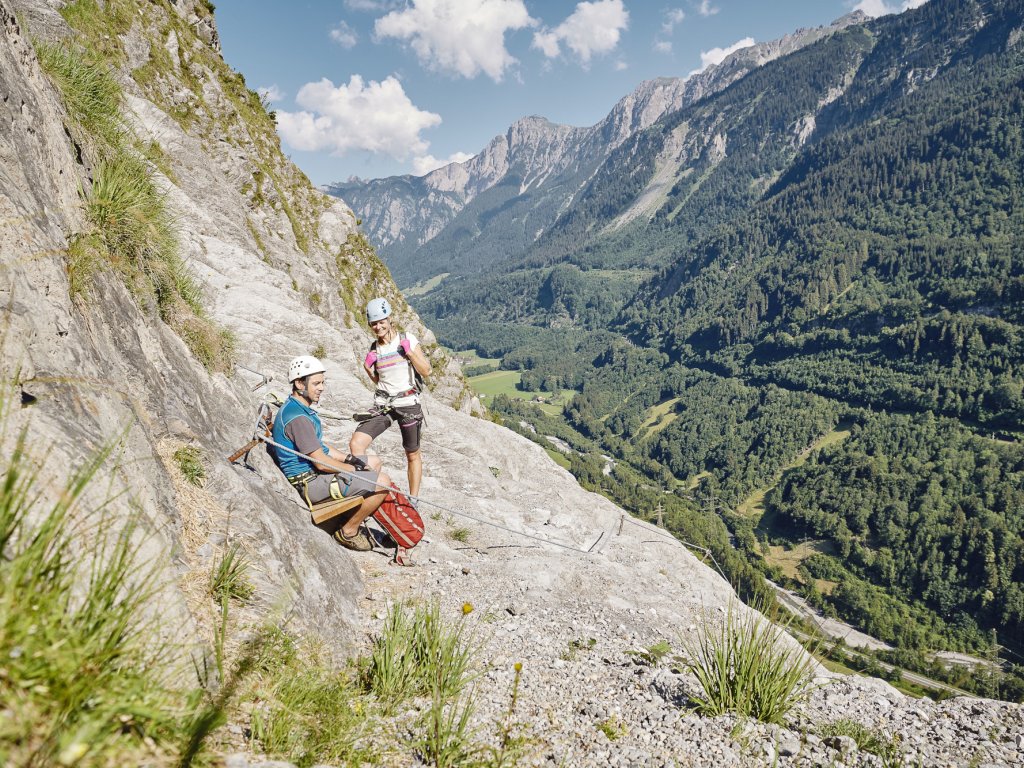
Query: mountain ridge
x,y
403,228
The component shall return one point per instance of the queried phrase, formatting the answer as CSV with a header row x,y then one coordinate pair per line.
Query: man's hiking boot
x,y
358,543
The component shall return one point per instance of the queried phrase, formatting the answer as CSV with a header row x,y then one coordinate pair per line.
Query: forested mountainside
x,y
466,217
816,274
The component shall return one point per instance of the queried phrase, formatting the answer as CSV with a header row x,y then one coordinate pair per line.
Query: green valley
x,y
806,352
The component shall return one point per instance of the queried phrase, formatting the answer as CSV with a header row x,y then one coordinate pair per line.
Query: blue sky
x,y
376,88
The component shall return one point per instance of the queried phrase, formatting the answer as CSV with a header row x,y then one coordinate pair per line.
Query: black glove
x,y
356,462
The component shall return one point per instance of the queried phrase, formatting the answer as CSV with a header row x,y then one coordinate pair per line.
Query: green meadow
x,y
489,385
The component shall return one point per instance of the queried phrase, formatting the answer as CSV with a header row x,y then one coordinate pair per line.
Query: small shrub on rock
x,y
746,666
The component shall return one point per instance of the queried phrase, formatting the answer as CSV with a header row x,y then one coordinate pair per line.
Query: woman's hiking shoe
x,y
358,543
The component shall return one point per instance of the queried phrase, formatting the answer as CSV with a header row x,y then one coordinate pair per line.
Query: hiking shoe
x,y
358,543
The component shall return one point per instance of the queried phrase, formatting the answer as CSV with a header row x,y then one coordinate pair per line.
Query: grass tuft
x,y
189,461
132,226
230,579
85,679
92,96
448,740
613,728
129,214
417,652
86,255
867,740
745,667
304,710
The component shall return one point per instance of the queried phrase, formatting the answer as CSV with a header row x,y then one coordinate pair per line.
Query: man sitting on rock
x,y
321,476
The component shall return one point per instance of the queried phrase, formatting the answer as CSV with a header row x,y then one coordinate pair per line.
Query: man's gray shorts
x,y
362,482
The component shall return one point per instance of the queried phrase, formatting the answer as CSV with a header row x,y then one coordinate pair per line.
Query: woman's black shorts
x,y
410,421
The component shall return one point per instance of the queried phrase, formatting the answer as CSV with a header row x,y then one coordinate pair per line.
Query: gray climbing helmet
x,y
377,309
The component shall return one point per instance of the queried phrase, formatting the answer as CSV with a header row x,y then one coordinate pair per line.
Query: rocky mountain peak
x,y
403,217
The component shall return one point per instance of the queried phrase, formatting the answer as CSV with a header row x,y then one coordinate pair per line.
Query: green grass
x,y
753,505
130,216
189,460
230,579
558,457
101,28
426,286
91,95
131,226
86,256
691,483
789,559
85,678
868,740
613,728
656,421
417,651
306,711
447,739
470,357
498,383
504,383
460,534
746,667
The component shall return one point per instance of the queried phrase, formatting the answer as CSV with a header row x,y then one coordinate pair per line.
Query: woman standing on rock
x,y
396,364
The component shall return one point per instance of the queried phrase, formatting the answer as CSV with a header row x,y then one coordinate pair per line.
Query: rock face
x,y
546,563
103,366
539,162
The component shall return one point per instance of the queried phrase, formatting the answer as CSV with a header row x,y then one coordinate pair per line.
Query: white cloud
x,y
673,17
271,93
620,65
377,117
376,6
717,55
424,164
344,35
464,37
593,28
875,8
706,9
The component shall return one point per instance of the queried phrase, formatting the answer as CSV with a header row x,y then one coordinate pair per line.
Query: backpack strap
x,y
417,380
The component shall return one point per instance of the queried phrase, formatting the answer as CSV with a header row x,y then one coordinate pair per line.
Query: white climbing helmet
x,y
377,309
303,366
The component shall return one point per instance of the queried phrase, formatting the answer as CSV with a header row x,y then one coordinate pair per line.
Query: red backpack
x,y
399,518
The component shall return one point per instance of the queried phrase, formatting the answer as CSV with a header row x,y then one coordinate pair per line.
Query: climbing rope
x,y
703,550
260,436
351,475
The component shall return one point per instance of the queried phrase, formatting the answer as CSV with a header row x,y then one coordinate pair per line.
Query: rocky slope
x,y
263,244
532,173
